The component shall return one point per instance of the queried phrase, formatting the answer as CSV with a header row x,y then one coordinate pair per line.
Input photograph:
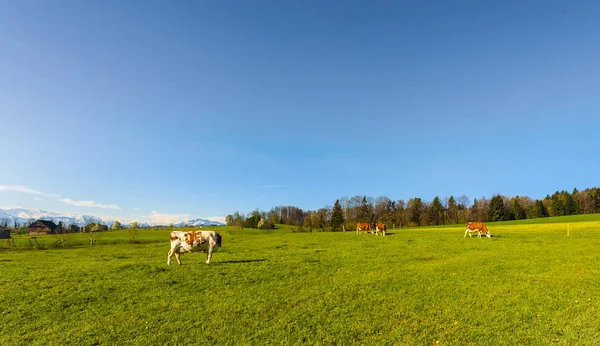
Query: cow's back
x,y
478,226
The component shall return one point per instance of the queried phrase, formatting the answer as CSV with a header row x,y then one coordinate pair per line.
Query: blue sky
x,y
155,110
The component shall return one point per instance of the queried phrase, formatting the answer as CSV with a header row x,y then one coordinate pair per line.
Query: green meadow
x,y
534,282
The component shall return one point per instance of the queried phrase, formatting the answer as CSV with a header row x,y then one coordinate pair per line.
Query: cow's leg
x,y
177,254
467,231
171,252
209,254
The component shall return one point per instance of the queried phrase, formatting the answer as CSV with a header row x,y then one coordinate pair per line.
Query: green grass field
x,y
530,284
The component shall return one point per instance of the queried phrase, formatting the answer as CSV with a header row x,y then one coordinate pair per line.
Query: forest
x,y
346,212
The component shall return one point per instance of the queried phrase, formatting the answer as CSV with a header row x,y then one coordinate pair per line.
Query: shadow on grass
x,y
243,261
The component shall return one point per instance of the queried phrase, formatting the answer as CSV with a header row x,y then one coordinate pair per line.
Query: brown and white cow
x,y
363,226
194,241
478,227
380,227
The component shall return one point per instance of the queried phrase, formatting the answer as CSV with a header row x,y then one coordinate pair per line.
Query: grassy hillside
x,y
529,284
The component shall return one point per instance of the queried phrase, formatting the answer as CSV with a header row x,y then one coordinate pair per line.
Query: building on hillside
x,y
4,233
42,227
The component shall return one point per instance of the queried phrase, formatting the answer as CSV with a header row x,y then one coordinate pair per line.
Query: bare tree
x,y
133,231
463,205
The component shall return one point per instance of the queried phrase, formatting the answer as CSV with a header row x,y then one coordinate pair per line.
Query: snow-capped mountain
x,y
22,216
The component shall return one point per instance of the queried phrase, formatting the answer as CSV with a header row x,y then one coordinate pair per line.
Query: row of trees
x,y
73,228
347,212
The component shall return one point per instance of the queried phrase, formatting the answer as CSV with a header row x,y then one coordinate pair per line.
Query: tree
x,y
518,211
365,210
558,208
337,217
91,229
452,210
320,218
63,234
400,213
253,220
463,207
116,226
308,224
265,224
415,211
539,210
497,210
133,227
571,203
436,212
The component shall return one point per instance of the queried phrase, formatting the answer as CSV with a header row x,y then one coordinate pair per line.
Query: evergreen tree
x,y
497,208
558,208
415,210
571,204
390,213
436,212
539,210
365,210
452,210
518,210
337,217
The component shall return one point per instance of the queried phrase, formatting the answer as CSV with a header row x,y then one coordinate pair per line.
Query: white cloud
x,y
165,219
37,199
25,189
89,204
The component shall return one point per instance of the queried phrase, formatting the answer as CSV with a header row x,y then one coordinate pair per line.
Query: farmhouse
x,y
42,227
4,233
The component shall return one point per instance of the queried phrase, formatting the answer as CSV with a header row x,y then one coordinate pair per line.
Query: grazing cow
x,y
193,241
363,227
478,227
380,227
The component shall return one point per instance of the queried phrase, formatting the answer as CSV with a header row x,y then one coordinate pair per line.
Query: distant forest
x,y
347,212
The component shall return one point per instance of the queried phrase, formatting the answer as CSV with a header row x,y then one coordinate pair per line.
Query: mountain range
x,y
25,216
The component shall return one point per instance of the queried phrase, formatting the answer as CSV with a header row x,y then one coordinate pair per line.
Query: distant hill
x,y
21,216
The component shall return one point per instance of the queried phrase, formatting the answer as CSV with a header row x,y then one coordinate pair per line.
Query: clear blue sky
x,y
142,109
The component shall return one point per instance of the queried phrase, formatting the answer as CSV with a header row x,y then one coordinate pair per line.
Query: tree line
x,y
348,211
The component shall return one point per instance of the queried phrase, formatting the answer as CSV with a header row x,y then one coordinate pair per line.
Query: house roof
x,y
51,225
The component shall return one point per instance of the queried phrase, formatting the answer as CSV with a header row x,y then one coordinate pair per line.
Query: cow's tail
x,y
218,239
